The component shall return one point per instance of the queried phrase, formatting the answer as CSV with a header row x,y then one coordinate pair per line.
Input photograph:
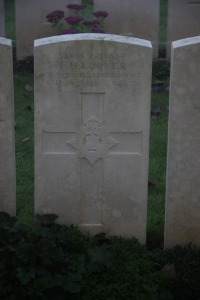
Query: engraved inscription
x,y
93,69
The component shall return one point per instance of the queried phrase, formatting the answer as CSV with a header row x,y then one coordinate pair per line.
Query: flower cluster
x,y
76,22
100,14
55,16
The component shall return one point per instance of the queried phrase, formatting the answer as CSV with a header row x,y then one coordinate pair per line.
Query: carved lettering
x,y
82,69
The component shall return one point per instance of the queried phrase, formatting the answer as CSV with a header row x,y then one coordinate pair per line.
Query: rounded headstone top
x,y
4,41
186,42
93,36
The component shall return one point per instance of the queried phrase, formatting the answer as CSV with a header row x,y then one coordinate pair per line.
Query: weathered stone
x,y
92,111
2,19
183,168
31,22
183,20
7,145
135,18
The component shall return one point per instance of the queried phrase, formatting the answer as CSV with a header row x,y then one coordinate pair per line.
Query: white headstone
x,y
183,168
7,144
2,19
135,18
92,103
183,20
31,22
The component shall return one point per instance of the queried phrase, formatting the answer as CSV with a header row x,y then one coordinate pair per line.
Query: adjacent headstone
x,y
31,22
183,20
7,144
183,168
2,19
135,18
92,107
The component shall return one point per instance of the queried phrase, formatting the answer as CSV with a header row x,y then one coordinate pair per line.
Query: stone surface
x,y
2,19
183,20
31,23
183,168
7,144
135,18
92,107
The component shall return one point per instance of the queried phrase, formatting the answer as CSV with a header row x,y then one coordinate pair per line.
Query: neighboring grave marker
x,y
134,18
92,107
7,144
183,168
2,19
183,20
31,22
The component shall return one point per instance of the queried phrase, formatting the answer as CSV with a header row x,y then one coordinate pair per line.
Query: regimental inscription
x,y
93,69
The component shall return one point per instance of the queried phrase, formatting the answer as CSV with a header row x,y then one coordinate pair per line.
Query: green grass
x,y
157,168
24,146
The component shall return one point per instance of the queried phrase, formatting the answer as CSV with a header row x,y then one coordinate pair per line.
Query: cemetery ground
x,y
42,260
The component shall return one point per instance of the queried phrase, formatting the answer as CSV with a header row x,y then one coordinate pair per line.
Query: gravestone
x,y
183,168
135,18
183,20
7,144
31,22
92,103
2,19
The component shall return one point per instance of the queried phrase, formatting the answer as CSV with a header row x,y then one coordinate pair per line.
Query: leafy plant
x,y
78,21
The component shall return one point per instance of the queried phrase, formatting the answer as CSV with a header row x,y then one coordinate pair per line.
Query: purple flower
x,y
55,16
100,14
67,31
91,22
74,19
97,30
75,6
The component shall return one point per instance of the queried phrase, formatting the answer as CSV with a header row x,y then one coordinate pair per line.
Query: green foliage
x,y
50,261
161,70
186,261
81,20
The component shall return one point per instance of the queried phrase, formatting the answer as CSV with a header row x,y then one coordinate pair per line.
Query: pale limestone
x,y
183,20
7,144
135,18
2,19
31,22
92,107
183,168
